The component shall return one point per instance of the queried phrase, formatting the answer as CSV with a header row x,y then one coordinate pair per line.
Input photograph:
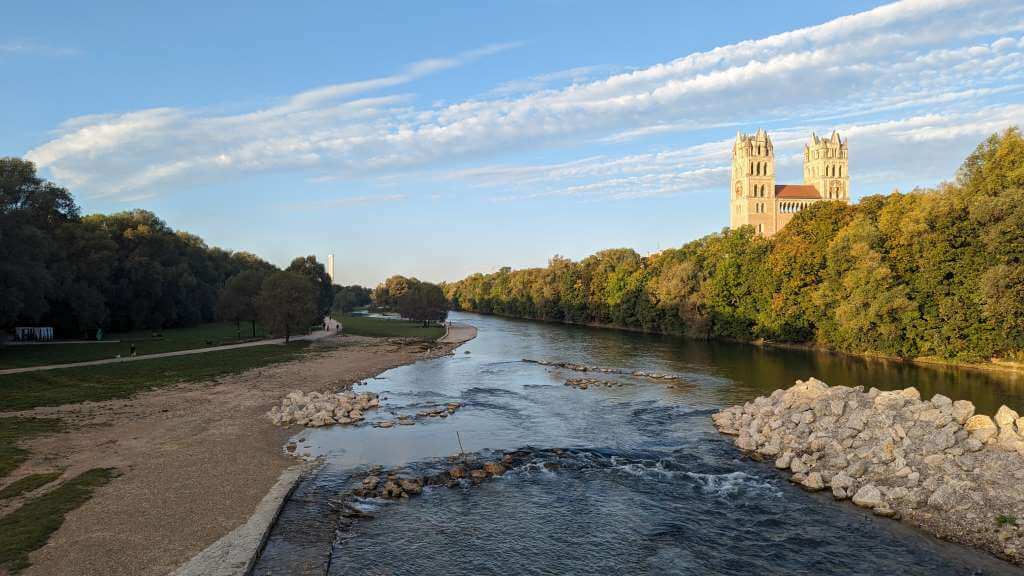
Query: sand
x,y
195,459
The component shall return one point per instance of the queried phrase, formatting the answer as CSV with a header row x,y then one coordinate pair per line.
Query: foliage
x,y
29,527
316,272
385,296
287,303
121,271
237,301
935,273
348,298
423,302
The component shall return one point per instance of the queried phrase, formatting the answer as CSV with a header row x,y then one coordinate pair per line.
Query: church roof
x,y
796,191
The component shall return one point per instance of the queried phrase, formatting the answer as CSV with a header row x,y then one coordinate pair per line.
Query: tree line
x,y
931,273
130,270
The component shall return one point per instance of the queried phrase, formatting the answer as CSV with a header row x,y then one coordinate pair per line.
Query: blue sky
x,y
439,139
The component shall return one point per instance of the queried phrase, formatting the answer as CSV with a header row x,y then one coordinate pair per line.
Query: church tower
x,y
827,167
752,188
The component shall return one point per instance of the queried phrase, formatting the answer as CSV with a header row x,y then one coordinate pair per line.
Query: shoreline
x,y
1000,366
196,460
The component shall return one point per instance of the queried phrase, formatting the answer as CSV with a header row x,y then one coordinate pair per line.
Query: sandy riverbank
x,y
195,460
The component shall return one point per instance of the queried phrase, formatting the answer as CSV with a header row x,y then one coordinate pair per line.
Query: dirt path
x,y
458,333
195,459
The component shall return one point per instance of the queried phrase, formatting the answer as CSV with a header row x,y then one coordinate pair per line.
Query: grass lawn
x,y
170,340
27,484
108,381
29,527
385,327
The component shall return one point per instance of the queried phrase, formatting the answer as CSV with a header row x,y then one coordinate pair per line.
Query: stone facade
x,y
755,198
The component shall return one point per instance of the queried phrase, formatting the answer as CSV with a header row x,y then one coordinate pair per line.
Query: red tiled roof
x,y
796,191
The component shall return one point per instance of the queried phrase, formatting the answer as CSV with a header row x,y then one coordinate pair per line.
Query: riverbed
x,y
648,485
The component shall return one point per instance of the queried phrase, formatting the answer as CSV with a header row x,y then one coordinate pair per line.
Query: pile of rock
x,y
395,484
583,368
322,408
406,420
584,383
933,462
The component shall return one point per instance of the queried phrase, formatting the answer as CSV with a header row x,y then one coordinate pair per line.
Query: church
x,y
758,201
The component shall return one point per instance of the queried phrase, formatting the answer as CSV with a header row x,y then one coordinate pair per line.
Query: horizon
x,y
478,137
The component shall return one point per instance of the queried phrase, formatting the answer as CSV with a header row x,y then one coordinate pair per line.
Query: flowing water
x,y
647,487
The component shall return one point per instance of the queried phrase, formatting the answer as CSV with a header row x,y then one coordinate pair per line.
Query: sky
x,y
438,139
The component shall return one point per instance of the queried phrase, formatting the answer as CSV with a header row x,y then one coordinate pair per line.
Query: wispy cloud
x,y
349,201
907,56
29,48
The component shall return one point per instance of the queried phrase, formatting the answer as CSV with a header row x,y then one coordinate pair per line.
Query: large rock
x,y
868,496
1005,417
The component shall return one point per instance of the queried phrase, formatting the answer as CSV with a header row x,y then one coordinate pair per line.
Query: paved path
x,y
312,336
458,333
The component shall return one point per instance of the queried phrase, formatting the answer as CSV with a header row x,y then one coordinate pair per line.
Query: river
x,y
648,487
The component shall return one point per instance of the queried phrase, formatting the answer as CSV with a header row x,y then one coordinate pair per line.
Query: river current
x,y
647,485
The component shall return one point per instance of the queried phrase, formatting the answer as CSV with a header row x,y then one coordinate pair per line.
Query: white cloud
x,y
903,56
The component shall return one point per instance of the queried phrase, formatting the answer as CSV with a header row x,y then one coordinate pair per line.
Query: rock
x,y
391,490
385,424
477,475
1005,417
940,401
782,462
797,465
412,486
962,410
370,482
911,393
457,472
981,427
868,496
813,481
494,469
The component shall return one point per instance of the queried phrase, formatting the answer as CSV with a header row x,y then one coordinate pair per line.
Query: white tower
x,y
330,267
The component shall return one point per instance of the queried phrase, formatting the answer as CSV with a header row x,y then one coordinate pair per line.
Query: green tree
x,y
423,302
237,301
316,272
287,303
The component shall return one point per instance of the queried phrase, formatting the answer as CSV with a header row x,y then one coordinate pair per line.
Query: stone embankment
x,y
583,368
934,463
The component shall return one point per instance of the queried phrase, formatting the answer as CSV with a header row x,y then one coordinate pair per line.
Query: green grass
x,y
110,381
383,327
27,484
1006,520
29,527
169,340
13,430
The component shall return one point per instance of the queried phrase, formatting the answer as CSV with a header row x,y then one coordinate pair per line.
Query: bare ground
x,y
195,459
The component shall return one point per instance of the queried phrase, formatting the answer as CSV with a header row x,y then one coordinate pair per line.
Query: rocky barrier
x,y
583,368
584,383
322,408
934,463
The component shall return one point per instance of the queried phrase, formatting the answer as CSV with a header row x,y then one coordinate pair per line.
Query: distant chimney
x,y
330,267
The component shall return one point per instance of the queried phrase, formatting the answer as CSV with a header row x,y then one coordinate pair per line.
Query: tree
x,y
316,272
237,301
386,294
348,298
287,303
423,302
31,212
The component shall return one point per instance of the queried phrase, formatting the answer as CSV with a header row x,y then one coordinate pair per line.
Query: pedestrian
x,y
132,351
